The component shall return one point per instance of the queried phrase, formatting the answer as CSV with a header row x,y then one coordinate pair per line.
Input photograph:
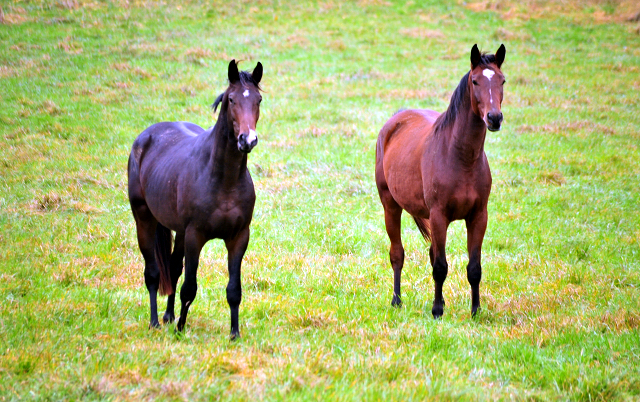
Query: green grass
x,y
561,312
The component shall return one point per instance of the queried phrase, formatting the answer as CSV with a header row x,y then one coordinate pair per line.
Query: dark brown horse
x,y
195,182
434,167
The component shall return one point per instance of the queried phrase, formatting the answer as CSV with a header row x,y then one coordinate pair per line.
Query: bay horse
x,y
434,167
195,182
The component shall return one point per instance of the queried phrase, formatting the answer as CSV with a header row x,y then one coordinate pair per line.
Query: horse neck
x,y
468,135
225,162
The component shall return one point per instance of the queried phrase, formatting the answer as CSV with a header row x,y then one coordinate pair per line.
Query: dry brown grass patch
x,y
308,319
51,201
620,320
17,16
297,40
421,33
599,11
131,385
504,34
70,46
552,177
376,3
51,108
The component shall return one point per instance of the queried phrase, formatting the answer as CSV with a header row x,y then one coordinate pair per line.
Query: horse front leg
x,y
437,255
175,268
193,243
476,227
235,248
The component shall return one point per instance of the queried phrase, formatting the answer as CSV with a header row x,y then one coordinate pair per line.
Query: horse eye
x,y
474,82
504,82
231,100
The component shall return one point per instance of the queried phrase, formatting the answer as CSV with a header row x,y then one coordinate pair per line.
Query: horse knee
x,y
188,292
474,273
234,296
396,256
151,276
440,269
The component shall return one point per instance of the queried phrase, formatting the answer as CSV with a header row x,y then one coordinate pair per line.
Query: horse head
x,y
241,104
487,82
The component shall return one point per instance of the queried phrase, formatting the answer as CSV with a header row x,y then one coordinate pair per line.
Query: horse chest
x,y
226,220
463,201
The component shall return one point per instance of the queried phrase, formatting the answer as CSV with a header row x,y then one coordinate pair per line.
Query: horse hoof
x,y
437,312
179,325
234,336
396,302
168,318
475,311
154,325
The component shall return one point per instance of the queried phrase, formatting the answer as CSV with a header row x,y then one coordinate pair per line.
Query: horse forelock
x,y
247,78
486,59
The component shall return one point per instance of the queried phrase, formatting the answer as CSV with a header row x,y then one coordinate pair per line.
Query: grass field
x,y
561,286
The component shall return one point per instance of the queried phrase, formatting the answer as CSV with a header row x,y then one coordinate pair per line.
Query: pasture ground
x,y
560,292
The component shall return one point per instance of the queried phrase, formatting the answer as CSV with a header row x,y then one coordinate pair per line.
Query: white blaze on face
x,y
245,93
252,136
489,73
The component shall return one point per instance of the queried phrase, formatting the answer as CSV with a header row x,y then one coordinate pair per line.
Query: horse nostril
x,y
495,118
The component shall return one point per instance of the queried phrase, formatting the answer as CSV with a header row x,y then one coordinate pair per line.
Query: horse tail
x,y
424,227
162,251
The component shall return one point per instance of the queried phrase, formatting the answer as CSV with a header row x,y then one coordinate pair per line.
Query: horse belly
x,y
407,192
161,193
404,179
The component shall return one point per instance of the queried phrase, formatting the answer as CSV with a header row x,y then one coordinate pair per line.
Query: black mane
x,y
459,98
245,78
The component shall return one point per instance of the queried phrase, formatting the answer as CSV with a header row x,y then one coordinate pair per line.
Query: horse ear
x,y
475,56
257,73
234,75
502,51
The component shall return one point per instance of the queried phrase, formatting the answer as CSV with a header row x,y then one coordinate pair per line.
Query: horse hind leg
x,y
146,230
392,221
175,266
193,243
146,225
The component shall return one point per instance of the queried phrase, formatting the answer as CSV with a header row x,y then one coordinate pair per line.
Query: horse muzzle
x,y
493,121
246,141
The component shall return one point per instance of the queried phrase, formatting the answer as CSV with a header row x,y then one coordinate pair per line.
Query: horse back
x,y
164,137
399,150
